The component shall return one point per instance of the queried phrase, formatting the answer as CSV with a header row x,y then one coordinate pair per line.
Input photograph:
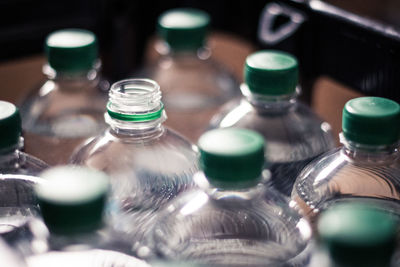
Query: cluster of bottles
x,y
264,186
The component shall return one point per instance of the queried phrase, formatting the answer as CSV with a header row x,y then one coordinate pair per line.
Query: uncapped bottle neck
x,y
135,103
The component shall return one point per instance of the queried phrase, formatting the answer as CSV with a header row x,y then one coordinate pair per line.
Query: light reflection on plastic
x,y
304,228
196,203
47,88
235,115
327,170
86,258
326,127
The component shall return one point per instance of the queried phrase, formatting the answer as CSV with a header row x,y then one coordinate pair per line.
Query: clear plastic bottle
x,y
294,134
233,219
12,160
194,86
17,174
9,257
69,106
366,166
72,201
355,234
18,205
149,164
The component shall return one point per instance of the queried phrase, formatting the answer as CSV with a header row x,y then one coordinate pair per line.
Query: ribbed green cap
x,y
358,234
71,50
10,125
232,157
183,28
269,72
72,198
371,121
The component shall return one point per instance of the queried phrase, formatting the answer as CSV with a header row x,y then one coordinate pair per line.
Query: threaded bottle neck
x,y
135,104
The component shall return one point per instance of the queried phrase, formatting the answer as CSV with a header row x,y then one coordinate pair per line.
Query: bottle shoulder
x,y
21,163
56,89
137,139
168,149
197,221
54,111
244,110
190,83
101,257
103,246
334,176
336,161
292,134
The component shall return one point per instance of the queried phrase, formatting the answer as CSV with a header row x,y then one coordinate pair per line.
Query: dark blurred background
x,y
124,26
346,48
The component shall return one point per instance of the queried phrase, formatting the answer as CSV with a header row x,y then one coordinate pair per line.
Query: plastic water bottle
x,y
294,134
233,220
355,234
18,205
18,172
69,106
366,166
12,160
72,201
9,257
194,86
149,164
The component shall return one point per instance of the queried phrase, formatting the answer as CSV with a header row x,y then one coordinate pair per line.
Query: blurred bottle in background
x,y
233,219
194,86
355,234
17,175
72,202
149,164
12,160
269,105
70,104
366,166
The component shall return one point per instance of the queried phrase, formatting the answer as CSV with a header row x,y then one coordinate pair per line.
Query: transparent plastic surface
x,y
350,172
14,161
193,85
62,112
148,168
90,258
101,248
294,135
18,205
148,163
251,227
9,257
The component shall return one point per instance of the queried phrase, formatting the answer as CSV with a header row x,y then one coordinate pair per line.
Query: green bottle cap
x,y
269,72
232,157
183,28
10,125
71,50
358,234
72,198
371,121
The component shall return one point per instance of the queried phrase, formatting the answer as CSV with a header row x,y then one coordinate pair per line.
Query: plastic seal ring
x,y
135,117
